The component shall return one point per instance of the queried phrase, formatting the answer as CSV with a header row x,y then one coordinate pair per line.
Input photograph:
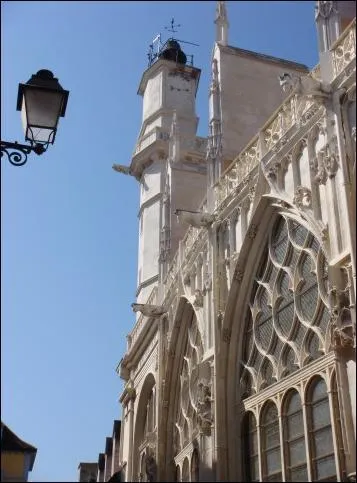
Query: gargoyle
x,y
120,168
305,86
195,218
148,310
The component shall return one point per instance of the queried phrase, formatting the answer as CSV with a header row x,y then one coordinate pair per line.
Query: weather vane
x,y
173,26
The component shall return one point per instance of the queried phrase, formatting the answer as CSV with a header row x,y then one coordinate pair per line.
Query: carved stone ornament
x,y
198,300
251,193
324,9
207,283
226,335
331,164
318,169
130,390
305,118
204,409
238,275
329,157
302,197
272,172
187,279
252,232
324,234
280,144
343,334
353,133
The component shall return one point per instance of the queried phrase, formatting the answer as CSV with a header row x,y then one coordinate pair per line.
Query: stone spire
x,y
222,24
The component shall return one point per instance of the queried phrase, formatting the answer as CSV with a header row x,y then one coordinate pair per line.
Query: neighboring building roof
x,y
116,428
101,461
263,57
108,445
11,442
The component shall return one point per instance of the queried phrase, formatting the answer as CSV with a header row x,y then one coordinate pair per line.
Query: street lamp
x,y
42,101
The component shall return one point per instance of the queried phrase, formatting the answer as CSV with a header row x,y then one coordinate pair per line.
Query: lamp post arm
x,y
17,153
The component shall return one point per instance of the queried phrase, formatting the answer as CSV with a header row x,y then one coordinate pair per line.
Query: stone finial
x,y
222,24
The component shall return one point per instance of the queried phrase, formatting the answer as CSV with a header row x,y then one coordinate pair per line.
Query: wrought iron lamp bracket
x,y
17,153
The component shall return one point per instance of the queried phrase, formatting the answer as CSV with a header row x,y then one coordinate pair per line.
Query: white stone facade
x,y
241,364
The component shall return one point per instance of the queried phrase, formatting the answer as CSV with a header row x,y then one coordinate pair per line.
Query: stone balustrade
x,y
156,134
344,49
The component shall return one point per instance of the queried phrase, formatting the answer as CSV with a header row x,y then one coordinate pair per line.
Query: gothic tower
x,y
168,160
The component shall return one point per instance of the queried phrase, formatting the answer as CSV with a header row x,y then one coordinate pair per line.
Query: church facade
x,y
241,362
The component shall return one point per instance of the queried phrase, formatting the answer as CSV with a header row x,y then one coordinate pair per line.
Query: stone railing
x,y
155,134
134,334
237,171
172,272
344,49
294,110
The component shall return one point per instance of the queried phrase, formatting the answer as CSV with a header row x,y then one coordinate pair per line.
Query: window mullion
x,y
260,451
334,436
282,455
307,424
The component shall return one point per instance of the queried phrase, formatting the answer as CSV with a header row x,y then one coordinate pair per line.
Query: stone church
x,y
241,362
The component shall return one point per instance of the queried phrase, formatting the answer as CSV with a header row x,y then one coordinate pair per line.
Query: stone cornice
x,y
146,282
149,202
141,343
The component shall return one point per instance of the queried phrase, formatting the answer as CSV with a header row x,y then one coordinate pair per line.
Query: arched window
x,y
287,326
271,459
251,448
294,439
178,473
287,317
321,440
195,466
185,470
193,376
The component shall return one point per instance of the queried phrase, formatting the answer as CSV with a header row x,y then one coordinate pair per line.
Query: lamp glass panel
x,y
40,113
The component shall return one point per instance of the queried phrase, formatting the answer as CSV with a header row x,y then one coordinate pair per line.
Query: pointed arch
x,y
182,376
144,425
270,260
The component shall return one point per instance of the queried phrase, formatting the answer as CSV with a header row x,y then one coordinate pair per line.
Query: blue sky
x,y
69,222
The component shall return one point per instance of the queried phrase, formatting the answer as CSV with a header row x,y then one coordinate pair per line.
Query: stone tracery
x,y
193,412
289,315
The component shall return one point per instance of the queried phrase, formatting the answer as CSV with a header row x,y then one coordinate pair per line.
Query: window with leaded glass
x,y
323,458
288,316
271,458
294,439
251,451
195,466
